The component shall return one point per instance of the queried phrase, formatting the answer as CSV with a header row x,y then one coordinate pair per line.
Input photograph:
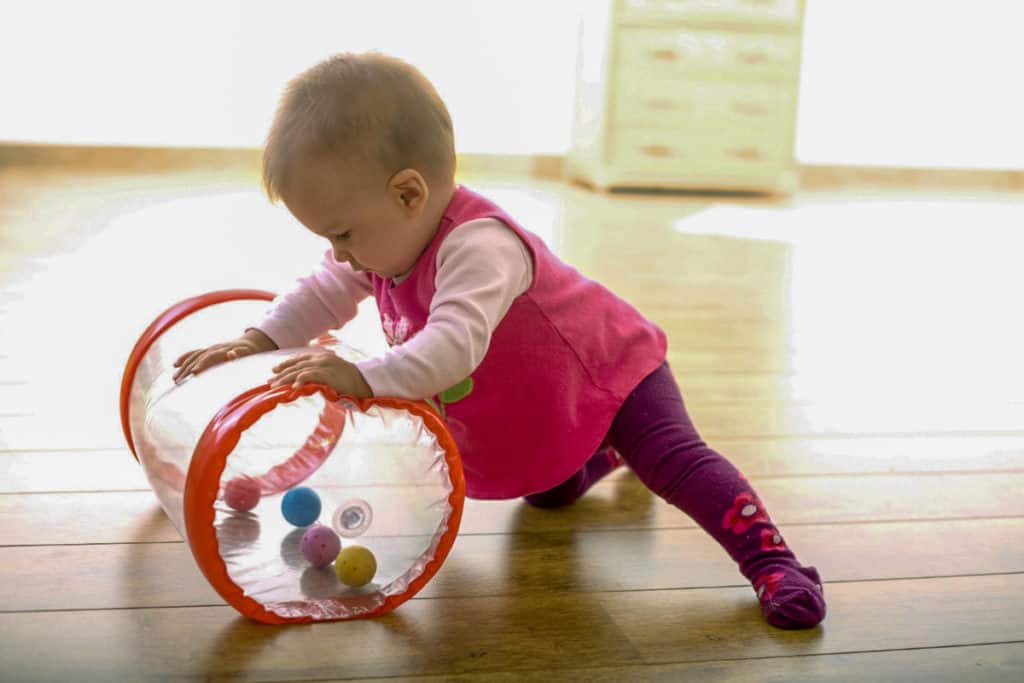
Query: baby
x,y
546,379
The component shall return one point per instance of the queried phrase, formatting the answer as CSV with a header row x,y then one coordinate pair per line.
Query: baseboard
x,y
548,167
125,158
545,166
821,177
167,158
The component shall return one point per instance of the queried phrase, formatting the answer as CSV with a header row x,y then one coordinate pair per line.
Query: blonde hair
x,y
364,108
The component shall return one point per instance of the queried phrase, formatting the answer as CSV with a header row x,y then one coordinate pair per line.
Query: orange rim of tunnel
x,y
219,440
163,322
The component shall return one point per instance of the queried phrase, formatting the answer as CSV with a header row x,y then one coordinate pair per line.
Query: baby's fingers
x,y
291,362
209,359
307,375
281,379
290,374
186,364
184,358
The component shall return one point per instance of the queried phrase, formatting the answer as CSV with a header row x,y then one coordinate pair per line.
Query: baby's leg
x,y
600,464
658,441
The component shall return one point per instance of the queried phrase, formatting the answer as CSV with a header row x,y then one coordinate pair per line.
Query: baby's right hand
x,y
194,362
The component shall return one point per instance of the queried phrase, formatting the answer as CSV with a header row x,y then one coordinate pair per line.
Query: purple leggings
x,y
654,436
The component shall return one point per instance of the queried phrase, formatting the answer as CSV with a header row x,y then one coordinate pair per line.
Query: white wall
x,y
209,72
933,83
889,82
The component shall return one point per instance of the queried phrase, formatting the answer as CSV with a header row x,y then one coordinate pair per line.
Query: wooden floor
x,y
857,354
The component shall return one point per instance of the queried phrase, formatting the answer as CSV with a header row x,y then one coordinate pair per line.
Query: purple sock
x,y
656,438
600,464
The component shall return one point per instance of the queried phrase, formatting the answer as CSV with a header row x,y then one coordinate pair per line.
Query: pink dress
x,y
560,364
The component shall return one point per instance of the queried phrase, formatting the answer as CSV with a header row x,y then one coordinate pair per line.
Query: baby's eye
x,y
343,236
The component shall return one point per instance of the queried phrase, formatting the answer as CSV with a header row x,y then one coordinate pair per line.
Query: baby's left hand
x,y
324,367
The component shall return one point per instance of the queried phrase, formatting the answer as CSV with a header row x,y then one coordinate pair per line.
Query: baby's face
x,y
364,220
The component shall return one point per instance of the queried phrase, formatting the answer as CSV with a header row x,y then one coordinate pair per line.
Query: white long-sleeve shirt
x,y
482,267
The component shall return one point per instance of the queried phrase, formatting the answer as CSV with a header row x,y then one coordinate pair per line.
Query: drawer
x,y
746,12
736,154
697,54
655,103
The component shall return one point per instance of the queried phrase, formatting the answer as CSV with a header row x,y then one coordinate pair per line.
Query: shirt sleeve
x,y
482,267
324,300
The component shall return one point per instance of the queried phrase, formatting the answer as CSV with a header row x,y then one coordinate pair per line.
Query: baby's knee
x,y
548,500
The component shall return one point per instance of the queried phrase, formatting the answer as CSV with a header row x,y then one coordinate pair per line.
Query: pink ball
x,y
242,493
320,545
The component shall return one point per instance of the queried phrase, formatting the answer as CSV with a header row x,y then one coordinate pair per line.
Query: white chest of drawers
x,y
687,94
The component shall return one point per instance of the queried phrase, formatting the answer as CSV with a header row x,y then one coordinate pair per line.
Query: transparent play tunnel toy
x,y
222,449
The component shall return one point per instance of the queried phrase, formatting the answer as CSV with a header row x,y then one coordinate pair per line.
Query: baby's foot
x,y
791,596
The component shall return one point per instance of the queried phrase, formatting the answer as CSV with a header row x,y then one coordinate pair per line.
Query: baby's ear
x,y
409,189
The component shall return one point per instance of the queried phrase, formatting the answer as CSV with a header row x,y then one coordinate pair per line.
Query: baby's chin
x,y
372,271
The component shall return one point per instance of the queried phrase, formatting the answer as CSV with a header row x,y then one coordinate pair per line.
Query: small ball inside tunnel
x,y
381,480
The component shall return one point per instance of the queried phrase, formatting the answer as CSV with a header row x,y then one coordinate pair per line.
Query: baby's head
x,y
361,152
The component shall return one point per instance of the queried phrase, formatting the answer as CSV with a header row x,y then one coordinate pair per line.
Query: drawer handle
x,y
746,153
750,108
657,151
755,57
663,104
665,55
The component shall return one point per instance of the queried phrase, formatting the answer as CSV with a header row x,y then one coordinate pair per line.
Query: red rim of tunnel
x,y
165,321
219,440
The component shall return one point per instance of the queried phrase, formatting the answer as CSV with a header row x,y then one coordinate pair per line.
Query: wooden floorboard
x,y
115,469
621,503
1000,663
58,430
856,356
53,430
448,636
165,575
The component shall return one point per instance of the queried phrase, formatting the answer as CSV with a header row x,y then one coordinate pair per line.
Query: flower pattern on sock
x,y
771,539
746,511
766,585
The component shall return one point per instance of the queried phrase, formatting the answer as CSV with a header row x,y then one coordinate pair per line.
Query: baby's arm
x,y
324,300
481,268
194,362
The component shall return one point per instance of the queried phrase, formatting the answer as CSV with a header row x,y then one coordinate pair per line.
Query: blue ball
x,y
301,506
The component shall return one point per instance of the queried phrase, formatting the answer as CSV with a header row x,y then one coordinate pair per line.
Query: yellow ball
x,y
355,566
